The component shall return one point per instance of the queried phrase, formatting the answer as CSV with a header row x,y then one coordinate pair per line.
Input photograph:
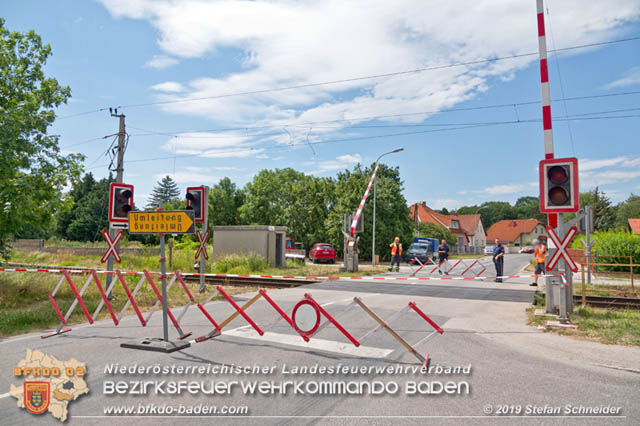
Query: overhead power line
x,y
365,118
376,76
360,138
361,78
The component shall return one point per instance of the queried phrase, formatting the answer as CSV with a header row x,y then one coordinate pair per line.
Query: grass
x,y
609,326
25,305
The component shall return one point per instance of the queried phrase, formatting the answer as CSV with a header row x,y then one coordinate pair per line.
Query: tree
x,y
628,209
392,213
33,169
225,200
529,208
86,210
165,191
604,214
431,230
495,211
289,198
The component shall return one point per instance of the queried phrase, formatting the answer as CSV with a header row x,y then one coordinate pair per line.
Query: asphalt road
x,y
514,367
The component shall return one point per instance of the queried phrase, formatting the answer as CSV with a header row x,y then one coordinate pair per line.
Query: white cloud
x,y
448,203
160,62
631,77
587,164
190,175
212,145
341,162
502,189
607,171
169,86
285,43
589,180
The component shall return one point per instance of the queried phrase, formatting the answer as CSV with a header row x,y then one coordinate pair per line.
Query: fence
x,y
611,273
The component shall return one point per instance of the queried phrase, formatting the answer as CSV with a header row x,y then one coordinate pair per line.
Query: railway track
x,y
253,282
609,302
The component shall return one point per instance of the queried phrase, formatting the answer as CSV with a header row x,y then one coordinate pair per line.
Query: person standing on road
x,y
443,255
498,260
541,254
396,253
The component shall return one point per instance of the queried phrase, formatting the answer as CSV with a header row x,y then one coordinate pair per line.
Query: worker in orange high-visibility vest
x,y
540,254
396,254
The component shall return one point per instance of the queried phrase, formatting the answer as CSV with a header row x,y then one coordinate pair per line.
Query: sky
x,y
214,89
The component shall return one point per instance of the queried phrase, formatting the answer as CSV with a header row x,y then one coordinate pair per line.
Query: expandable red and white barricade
x,y
93,276
298,320
447,267
306,316
306,329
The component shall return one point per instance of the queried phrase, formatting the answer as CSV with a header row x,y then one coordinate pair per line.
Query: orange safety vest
x,y
396,248
540,254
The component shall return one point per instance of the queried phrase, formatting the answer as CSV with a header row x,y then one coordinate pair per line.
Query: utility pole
x,y
119,179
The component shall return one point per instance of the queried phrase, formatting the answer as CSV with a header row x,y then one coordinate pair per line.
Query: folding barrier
x,y
306,325
386,325
93,276
317,327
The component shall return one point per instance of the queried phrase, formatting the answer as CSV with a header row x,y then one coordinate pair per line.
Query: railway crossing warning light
x,y
559,185
120,202
195,202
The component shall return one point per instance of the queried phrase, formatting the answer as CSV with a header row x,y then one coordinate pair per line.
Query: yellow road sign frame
x,y
162,222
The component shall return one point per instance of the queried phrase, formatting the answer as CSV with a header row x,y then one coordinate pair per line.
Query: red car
x,y
322,252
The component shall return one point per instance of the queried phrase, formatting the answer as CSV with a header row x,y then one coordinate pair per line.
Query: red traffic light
x,y
196,202
558,175
120,202
559,185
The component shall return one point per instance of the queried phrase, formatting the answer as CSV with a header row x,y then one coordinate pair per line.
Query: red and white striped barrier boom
x,y
364,199
546,96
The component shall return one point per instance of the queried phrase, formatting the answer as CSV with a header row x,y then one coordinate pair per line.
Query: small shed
x,y
264,240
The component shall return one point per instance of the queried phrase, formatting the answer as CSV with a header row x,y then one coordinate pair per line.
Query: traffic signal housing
x,y
559,185
120,202
195,202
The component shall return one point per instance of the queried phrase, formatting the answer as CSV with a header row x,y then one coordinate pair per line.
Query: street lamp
x,y
373,240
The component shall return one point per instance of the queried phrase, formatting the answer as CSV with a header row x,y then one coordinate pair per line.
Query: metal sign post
x,y
205,230
163,271
161,222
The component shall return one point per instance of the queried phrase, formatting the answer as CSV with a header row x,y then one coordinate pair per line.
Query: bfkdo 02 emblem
x,y
36,396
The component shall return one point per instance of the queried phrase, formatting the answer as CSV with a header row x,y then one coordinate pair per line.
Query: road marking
x,y
319,344
615,367
4,395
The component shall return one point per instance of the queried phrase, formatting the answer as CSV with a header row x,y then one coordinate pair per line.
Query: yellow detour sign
x,y
165,222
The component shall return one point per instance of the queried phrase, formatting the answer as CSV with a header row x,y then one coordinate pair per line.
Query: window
x,y
454,224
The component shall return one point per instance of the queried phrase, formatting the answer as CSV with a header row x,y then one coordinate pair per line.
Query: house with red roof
x,y
516,232
634,225
467,228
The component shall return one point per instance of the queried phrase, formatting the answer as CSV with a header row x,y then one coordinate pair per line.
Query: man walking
x,y
443,255
540,253
498,260
396,253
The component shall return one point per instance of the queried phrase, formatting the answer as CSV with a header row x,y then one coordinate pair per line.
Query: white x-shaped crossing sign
x,y
203,244
112,250
562,248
